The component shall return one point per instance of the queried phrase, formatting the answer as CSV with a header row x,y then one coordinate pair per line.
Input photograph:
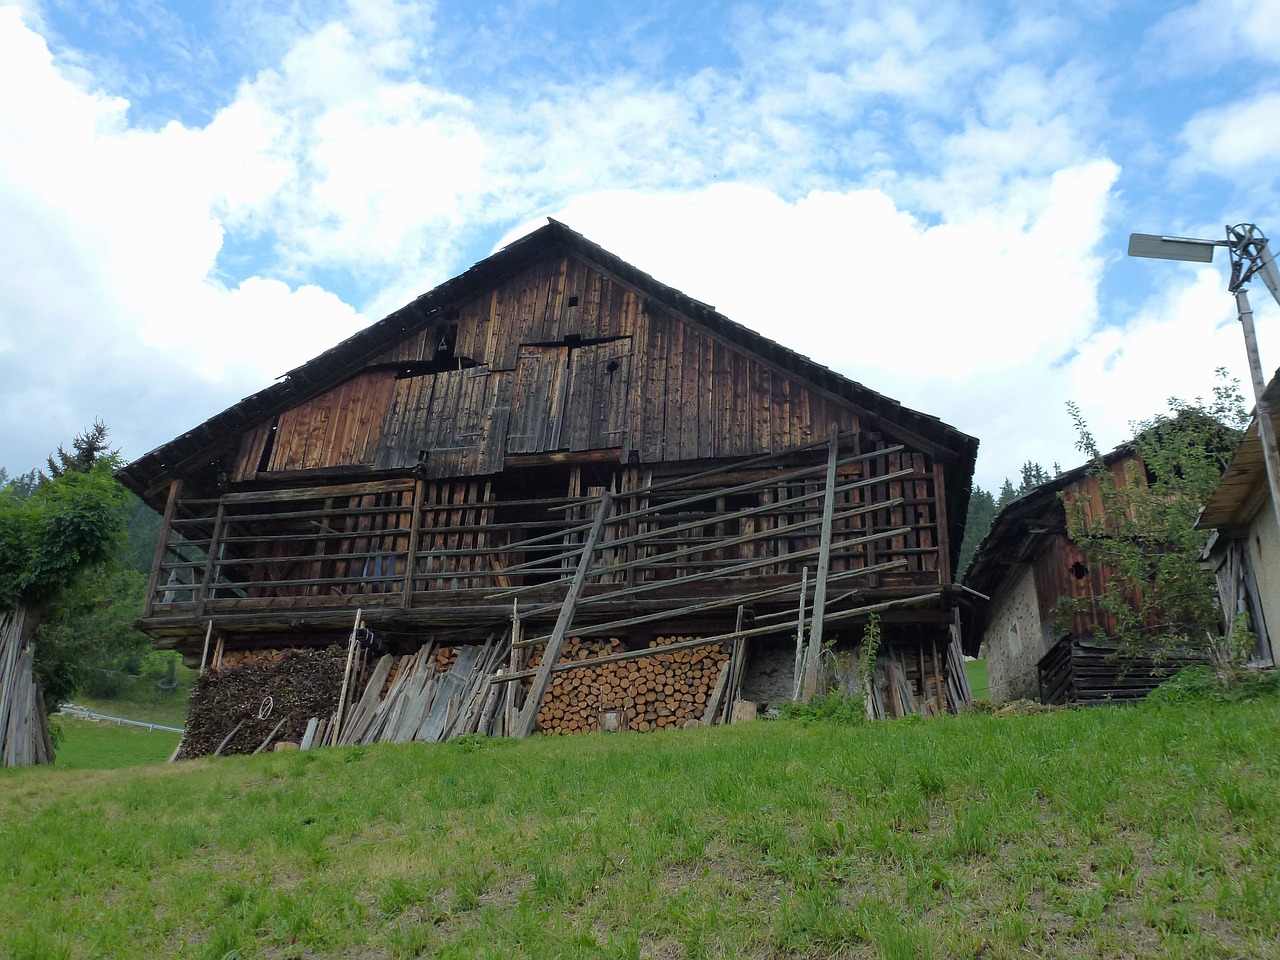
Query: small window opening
x,y
573,301
1079,570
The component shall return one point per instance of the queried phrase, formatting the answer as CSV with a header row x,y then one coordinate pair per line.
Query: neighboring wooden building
x,y
1244,546
1030,568
555,430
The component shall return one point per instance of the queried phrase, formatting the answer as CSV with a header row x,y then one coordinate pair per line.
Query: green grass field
x,y
979,683
90,745
1130,832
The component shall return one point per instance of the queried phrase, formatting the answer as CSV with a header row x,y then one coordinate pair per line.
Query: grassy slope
x,y
140,700
1126,832
979,682
87,745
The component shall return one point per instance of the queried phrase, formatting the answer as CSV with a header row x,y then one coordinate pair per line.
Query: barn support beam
x,y
528,715
810,685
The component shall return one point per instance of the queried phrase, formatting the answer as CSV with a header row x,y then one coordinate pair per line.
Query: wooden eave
x,y
198,449
1243,489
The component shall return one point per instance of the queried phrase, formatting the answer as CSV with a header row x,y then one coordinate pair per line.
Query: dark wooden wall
x,y
1063,571
560,357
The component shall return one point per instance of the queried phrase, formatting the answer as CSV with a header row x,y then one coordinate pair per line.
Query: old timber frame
x,y
557,436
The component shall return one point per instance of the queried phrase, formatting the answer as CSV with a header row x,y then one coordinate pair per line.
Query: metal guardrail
x,y
118,721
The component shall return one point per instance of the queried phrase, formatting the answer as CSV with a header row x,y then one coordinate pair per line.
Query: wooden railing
x,y
414,543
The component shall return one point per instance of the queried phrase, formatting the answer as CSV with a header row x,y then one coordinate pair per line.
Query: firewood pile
x,y
656,692
249,699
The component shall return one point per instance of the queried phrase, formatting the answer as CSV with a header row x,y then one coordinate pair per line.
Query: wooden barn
x,y
1029,568
1244,542
562,496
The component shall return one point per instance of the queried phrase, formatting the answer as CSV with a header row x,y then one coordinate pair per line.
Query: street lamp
x,y
1250,256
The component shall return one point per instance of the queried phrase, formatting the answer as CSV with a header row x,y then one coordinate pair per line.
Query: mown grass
x,y
979,681
1127,832
95,745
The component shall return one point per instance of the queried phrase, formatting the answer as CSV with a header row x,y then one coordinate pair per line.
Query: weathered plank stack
x,y
656,692
431,695
1088,673
24,728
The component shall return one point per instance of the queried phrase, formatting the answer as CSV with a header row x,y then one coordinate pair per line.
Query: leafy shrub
x,y
1203,683
831,707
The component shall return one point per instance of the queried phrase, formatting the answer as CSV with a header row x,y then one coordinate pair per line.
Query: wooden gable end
x,y
560,357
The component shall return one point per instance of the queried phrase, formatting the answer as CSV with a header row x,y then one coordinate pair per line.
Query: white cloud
x,y
108,285
1240,138
930,315
1218,35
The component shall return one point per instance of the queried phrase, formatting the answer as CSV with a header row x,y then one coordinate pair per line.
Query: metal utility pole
x,y
1250,257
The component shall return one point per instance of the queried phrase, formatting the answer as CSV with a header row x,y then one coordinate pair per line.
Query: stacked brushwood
x,y
657,692
301,684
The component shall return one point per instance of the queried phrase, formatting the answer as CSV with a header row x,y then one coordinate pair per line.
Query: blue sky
x,y
931,197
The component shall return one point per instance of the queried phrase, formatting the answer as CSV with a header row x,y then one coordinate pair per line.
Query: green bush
x,y
832,707
1204,683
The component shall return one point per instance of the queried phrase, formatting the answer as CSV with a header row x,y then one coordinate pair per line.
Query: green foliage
x,y
867,655
1157,595
981,514
87,642
87,450
832,707
64,554
1202,684
64,525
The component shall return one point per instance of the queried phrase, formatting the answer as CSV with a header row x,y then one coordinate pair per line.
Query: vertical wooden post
x,y
211,560
810,685
162,546
943,537
411,559
538,688
346,680
204,657
799,669
737,661
509,719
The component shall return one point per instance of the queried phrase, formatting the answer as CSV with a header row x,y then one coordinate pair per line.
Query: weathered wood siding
x,y
560,357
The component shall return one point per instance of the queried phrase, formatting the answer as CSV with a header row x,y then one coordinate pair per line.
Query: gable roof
x,y
202,445
1243,488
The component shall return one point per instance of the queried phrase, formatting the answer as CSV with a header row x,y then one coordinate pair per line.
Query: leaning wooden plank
x,y
433,726
809,685
227,739
473,695
418,697
270,736
373,689
346,678
713,705
538,689
392,705
309,736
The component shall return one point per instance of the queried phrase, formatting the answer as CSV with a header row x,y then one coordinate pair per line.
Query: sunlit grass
x,y
1122,832
97,745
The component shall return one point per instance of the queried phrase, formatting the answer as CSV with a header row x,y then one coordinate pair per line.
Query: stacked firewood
x,y
243,708
656,692
261,658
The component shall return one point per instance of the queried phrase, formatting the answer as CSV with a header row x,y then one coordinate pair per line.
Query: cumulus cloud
x,y
1239,138
110,297
920,195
